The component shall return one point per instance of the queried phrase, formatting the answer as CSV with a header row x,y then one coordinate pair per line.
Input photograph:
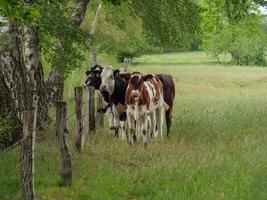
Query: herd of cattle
x,y
137,98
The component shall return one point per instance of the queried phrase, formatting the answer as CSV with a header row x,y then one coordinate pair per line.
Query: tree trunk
x,y
27,155
54,86
14,94
8,111
35,72
14,73
55,83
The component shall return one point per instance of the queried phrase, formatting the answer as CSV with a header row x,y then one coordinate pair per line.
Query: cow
x,y
94,79
168,95
144,101
116,84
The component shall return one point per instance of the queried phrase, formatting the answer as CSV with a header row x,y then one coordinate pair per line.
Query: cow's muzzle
x,y
135,94
103,88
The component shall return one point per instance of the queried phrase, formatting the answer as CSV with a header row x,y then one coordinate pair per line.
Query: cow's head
x,y
108,77
136,84
93,76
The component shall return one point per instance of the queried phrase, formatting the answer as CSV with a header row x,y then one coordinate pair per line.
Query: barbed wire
x,y
12,146
67,103
45,122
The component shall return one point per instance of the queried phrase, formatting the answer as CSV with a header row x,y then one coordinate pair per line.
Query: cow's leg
x,y
138,128
123,126
153,124
116,124
149,125
144,122
159,118
131,124
168,121
110,116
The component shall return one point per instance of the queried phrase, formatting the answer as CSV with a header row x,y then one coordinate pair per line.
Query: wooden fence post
x,y
27,155
99,116
85,113
125,64
91,102
79,116
61,132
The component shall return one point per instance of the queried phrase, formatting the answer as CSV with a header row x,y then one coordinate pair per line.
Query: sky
x,y
263,10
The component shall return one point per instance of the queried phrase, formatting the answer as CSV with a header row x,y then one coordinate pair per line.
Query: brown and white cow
x,y
144,101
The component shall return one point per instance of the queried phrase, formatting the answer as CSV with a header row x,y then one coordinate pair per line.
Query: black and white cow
x,y
94,79
115,84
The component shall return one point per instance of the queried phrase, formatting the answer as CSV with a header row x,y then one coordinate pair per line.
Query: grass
x,y
217,149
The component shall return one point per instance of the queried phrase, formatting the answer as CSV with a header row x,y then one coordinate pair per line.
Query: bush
x,y
122,55
6,133
246,43
248,51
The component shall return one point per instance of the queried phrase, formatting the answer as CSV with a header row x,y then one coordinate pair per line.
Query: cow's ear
x,y
147,77
116,72
125,76
88,72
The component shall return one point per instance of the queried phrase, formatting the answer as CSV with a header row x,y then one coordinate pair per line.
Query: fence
x,y
86,118
86,122
126,62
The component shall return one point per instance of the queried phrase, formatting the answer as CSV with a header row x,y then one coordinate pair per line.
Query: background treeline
x,y
137,27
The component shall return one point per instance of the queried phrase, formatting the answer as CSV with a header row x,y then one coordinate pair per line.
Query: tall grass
x,y
217,149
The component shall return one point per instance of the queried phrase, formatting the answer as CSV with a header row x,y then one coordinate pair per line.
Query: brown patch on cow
x,y
144,98
136,81
128,95
158,87
125,76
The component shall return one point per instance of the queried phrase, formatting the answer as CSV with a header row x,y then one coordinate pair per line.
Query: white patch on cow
x,y
97,69
87,81
136,111
123,127
113,118
108,81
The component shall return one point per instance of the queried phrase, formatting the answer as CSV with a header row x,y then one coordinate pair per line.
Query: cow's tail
x,y
166,106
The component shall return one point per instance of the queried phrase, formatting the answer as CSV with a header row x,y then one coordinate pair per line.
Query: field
x,y
217,148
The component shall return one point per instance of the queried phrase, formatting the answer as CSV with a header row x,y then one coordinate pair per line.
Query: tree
x,y
55,83
171,24
21,71
234,27
34,68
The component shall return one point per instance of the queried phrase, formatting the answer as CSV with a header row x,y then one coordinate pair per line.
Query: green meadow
x,y
217,148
